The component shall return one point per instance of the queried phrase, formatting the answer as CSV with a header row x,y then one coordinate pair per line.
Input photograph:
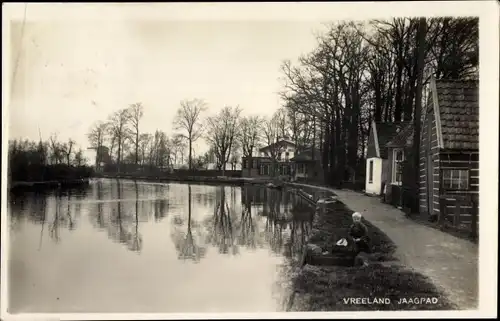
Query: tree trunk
x,y
118,158
352,156
421,43
136,148
333,157
378,101
190,153
325,152
314,138
399,78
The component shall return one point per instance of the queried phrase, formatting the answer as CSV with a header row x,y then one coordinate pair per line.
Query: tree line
x,y
376,70
228,133
46,160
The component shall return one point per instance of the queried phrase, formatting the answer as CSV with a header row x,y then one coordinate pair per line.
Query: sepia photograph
x,y
249,159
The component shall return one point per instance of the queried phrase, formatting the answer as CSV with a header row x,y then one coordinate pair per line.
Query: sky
x,y
71,74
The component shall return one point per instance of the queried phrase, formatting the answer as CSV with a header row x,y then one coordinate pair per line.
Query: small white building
x,y
376,155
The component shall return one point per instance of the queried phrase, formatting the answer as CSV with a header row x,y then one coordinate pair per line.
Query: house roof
x,y
457,111
403,138
276,143
384,133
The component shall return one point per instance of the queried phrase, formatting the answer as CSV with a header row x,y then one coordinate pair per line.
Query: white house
x,y
376,155
284,150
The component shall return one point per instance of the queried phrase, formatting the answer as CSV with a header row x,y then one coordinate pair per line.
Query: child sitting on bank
x,y
358,232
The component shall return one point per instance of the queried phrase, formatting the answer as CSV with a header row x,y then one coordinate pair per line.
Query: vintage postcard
x,y
263,160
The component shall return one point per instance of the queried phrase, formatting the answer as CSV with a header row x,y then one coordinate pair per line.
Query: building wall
x,y
250,169
386,173
376,185
246,172
460,160
429,146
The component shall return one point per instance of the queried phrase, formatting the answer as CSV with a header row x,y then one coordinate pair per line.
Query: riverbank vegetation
x,y
43,161
324,288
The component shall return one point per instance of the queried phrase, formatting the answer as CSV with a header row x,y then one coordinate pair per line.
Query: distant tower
x,y
102,157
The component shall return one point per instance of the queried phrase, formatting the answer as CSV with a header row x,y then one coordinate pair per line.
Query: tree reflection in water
x,y
185,244
54,226
288,221
136,244
99,218
220,226
275,218
118,225
161,205
248,233
42,210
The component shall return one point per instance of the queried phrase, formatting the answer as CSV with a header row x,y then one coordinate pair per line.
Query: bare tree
x,y
79,159
117,127
271,130
96,137
136,111
421,44
222,131
188,120
250,136
56,155
179,146
144,142
67,149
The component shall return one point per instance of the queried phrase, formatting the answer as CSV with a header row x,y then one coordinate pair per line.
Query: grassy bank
x,y
326,288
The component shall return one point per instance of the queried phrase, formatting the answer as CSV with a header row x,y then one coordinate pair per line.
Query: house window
x,y
397,166
254,164
244,164
264,169
370,172
455,179
287,155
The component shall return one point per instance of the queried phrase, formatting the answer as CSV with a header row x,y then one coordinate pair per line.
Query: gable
x,y
371,150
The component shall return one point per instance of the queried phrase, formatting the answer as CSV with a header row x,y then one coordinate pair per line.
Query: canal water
x,y
136,247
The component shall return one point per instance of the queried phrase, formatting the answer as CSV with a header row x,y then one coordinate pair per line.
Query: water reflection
x,y
171,226
123,226
276,219
186,244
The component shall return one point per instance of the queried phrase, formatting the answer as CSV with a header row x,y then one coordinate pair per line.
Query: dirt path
x,y
450,262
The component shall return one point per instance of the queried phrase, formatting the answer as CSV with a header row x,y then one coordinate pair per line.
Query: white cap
x,y
356,215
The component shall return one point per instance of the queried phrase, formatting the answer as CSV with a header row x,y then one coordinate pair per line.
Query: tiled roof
x,y
458,102
403,138
385,132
